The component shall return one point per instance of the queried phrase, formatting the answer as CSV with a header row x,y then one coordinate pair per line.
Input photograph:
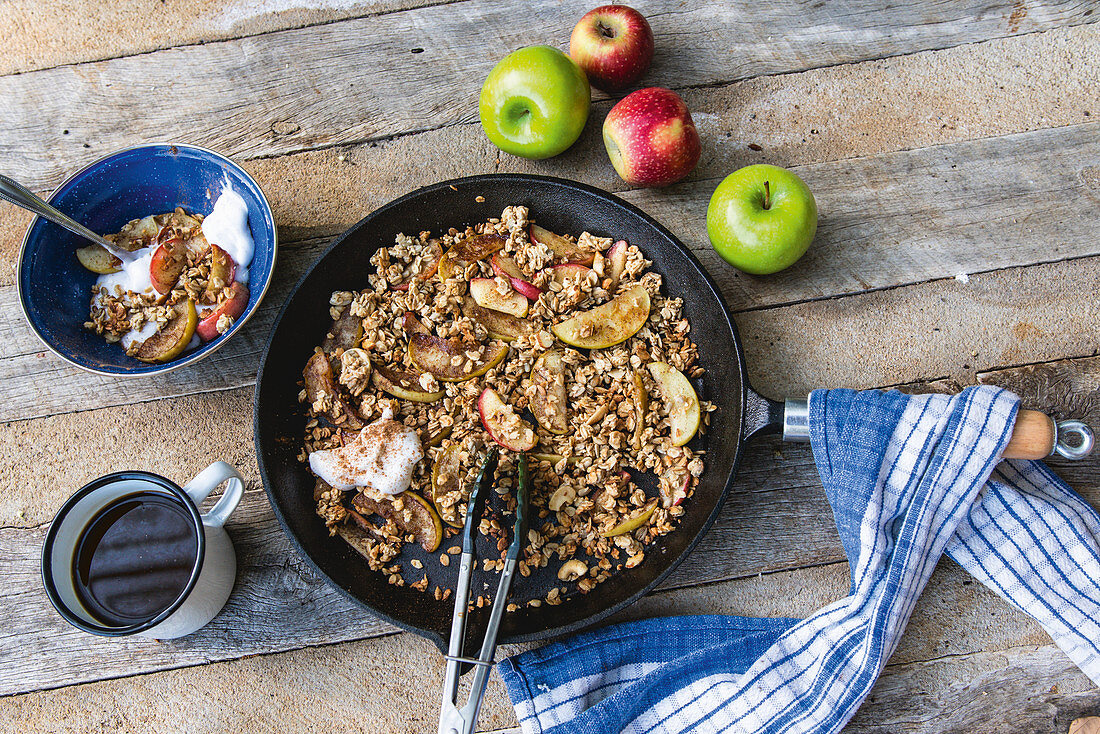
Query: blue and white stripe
x,y
909,478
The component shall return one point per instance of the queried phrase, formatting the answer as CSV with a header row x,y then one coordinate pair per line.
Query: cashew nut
x,y
561,496
572,570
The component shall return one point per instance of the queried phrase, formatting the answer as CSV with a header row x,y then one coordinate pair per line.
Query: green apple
x,y
535,102
761,219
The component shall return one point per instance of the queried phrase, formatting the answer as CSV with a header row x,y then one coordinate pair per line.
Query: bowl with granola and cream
x,y
526,314
195,245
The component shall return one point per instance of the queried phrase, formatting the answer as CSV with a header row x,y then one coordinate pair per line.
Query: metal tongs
x,y
453,720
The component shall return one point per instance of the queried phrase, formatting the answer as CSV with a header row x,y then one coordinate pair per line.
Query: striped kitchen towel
x,y
909,478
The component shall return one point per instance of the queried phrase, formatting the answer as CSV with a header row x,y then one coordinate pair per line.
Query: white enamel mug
x,y
213,571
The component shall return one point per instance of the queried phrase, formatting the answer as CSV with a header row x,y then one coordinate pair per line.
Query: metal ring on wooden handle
x,y
1037,436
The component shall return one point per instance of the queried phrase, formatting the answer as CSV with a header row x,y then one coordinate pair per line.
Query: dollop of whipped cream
x,y
382,458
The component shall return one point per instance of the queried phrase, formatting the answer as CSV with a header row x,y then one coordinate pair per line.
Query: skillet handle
x,y
761,415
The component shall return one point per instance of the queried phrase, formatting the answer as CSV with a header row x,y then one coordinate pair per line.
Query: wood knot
x,y
285,127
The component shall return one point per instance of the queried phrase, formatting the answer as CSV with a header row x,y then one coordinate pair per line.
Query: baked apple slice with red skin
x,y
428,271
502,423
468,251
167,263
616,264
563,249
223,271
437,356
506,267
232,307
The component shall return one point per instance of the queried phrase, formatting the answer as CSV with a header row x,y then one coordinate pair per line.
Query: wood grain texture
x,y
825,114
41,35
358,80
976,205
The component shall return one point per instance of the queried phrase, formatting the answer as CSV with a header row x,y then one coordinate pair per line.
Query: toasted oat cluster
x,y
562,348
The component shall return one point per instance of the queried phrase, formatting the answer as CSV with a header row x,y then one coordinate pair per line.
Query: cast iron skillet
x,y
562,206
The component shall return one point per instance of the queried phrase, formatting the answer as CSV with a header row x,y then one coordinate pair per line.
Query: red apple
x,y
613,44
233,307
651,138
502,423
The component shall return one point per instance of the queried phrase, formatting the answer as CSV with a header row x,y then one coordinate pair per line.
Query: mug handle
x,y
199,488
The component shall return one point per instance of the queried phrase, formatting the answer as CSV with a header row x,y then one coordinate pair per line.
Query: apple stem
x,y
767,195
605,31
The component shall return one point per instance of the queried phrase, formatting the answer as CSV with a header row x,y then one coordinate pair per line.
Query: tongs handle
x,y
453,720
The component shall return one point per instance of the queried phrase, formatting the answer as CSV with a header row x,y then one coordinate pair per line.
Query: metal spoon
x,y
18,194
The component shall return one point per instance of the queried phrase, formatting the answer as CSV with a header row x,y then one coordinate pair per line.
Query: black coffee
x,y
135,558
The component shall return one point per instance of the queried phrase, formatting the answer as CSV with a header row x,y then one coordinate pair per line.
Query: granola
x,y
465,364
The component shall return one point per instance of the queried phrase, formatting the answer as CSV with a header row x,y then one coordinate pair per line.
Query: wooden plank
x,y
41,35
357,79
888,220
1000,665
852,110
1032,689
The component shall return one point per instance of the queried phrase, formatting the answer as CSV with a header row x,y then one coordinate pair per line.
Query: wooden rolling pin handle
x,y
1033,437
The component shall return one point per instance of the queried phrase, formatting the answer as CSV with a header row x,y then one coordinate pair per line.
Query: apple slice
x,y
563,249
550,400
469,250
680,399
439,436
318,379
487,295
98,260
606,325
616,264
223,270
502,423
404,385
232,307
416,516
641,405
173,337
426,271
438,356
569,271
167,263
631,524
499,325
412,324
552,458
445,480
506,267
344,333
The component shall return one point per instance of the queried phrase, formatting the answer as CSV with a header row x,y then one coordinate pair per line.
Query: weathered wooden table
x,y
955,153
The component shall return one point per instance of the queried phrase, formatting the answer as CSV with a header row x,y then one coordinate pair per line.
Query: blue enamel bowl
x,y
55,290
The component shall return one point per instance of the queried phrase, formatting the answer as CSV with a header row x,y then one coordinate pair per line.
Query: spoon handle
x,y
15,193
